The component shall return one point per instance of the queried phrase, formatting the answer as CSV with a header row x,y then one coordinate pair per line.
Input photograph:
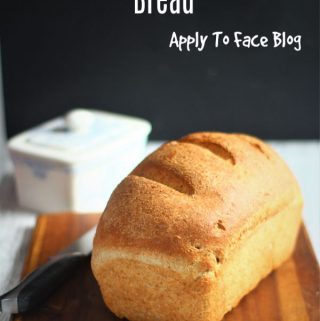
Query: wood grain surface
x,y
291,293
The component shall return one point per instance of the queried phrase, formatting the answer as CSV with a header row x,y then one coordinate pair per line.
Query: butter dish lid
x,y
80,135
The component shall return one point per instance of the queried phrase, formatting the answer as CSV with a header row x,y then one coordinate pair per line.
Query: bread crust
x,y
182,217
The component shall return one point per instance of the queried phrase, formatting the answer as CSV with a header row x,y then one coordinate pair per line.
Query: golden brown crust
x,y
191,202
204,190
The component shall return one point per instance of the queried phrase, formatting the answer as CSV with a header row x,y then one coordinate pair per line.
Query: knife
x,y
39,284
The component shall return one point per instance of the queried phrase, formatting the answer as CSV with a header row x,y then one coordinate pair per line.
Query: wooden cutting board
x,y
289,294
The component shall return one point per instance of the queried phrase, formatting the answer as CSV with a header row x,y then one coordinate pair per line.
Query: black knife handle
x,y
39,284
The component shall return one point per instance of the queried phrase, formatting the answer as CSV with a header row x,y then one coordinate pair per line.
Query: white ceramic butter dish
x,y
73,163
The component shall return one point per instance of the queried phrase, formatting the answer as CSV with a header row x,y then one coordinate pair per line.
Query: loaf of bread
x,y
195,227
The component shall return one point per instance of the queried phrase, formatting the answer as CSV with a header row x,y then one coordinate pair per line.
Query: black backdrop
x,y
101,55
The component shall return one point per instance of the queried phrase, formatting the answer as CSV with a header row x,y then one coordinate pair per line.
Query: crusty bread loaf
x,y
195,227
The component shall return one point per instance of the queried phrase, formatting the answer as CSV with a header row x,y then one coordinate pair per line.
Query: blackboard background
x,y
98,54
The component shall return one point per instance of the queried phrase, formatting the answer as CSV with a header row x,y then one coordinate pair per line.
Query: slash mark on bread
x,y
255,144
215,148
165,176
